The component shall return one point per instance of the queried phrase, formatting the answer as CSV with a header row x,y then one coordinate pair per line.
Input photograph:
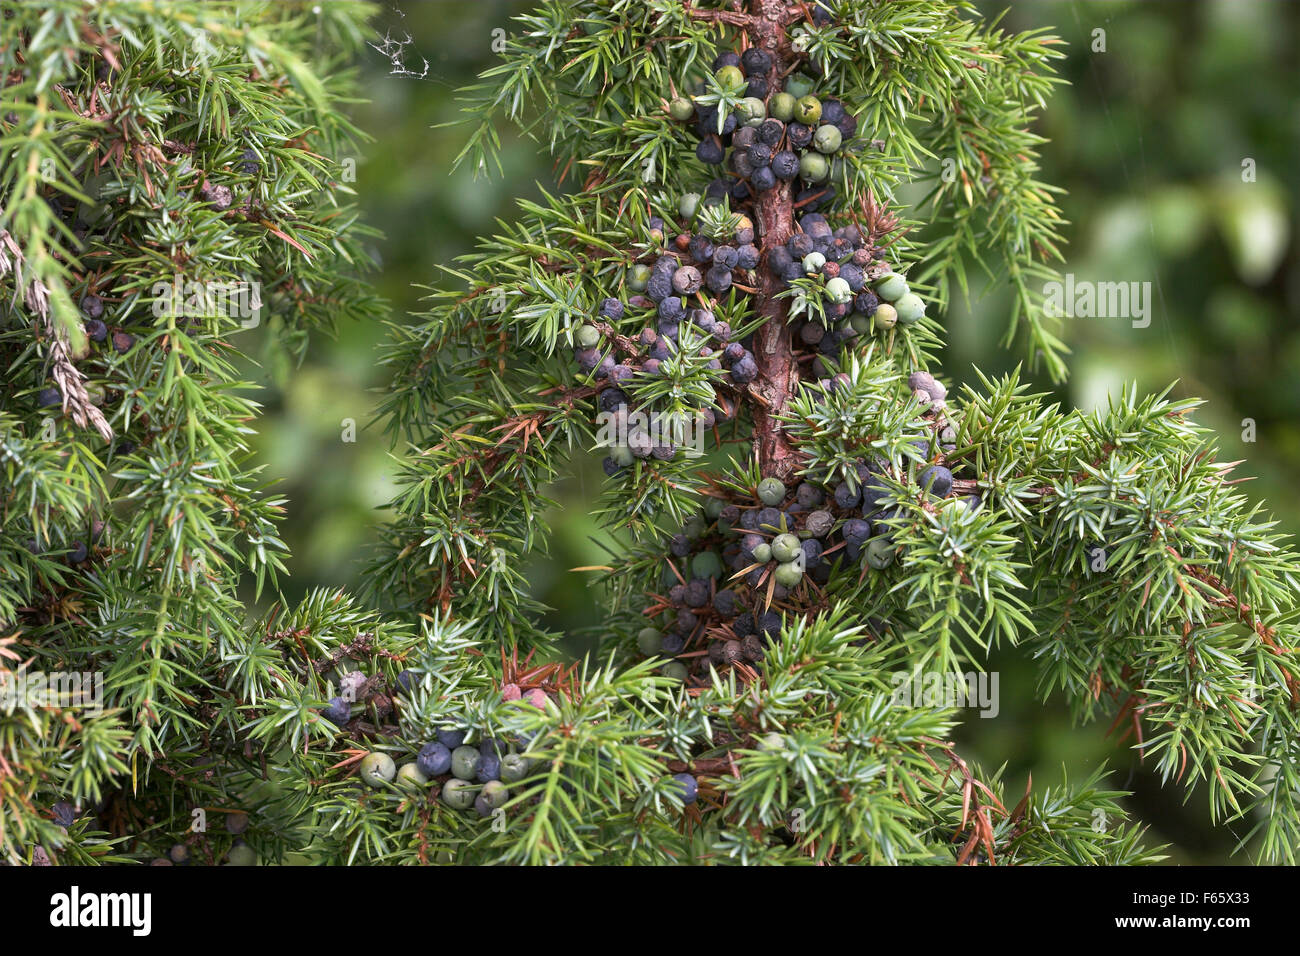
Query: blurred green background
x,y
1149,137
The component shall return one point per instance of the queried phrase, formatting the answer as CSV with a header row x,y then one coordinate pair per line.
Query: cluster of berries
x,y
775,541
239,854
774,135
476,777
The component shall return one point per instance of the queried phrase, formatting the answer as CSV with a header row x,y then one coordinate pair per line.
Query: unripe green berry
x,y
762,553
676,670
771,491
752,111
813,262
622,455
838,291
782,107
730,78
458,794
770,743
638,277
785,547
514,767
587,337
808,110
377,769
648,641
706,564
879,553
495,794
910,308
241,855
465,761
681,108
798,85
884,318
827,139
410,777
814,167
891,287
860,323
788,575
687,205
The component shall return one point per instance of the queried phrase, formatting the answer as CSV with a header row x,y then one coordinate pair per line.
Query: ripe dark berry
x,y
856,530
78,554
809,495
122,342
799,245
763,179
846,497
771,131
785,165
700,248
611,309
612,399
756,87
747,256
65,816
92,306
688,789
179,854
812,333
671,309
48,397
721,331
812,552
724,602
718,279
672,644
434,759
756,60
337,712
96,330
769,623
709,151
744,371
937,480
489,768
727,59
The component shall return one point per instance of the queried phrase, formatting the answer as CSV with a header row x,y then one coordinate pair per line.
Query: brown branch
x,y
71,383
